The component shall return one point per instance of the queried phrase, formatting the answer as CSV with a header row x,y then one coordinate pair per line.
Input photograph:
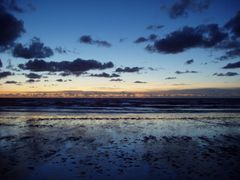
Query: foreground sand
x,y
108,146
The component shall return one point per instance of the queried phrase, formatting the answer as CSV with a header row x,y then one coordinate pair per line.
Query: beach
x,y
66,145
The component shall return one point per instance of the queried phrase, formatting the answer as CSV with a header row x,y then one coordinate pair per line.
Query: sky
x,y
119,45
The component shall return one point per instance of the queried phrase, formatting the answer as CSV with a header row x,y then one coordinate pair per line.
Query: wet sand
x,y
119,146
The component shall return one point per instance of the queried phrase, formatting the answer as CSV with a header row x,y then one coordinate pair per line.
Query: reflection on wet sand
x,y
133,146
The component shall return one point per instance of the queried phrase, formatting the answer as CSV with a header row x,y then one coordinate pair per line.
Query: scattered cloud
x,y
226,74
205,36
105,75
33,76
234,53
1,63
170,78
5,74
180,84
190,61
36,49
31,81
232,65
151,37
116,80
76,67
154,27
182,8
140,82
186,72
141,40
61,50
128,69
11,82
59,80
87,39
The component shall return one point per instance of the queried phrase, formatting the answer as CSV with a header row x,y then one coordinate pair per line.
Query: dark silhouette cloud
x,y
5,74
181,8
31,81
234,24
190,61
87,39
140,82
1,63
10,28
234,53
128,69
170,78
76,67
33,76
186,72
151,37
141,40
232,65
36,49
59,80
226,74
205,36
116,80
154,27
11,82
105,75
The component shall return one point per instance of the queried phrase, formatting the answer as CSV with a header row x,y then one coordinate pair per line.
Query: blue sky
x,y
62,23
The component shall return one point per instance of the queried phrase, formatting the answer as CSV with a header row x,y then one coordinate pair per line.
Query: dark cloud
x,y
59,80
30,81
170,78
11,82
76,67
186,72
65,74
105,75
5,74
232,65
36,49
190,61
141,40
10,28
1,63
181,8
61,50
128,69
226,74
151,37
234,24
234,53
154,27
205,36
116,80
140,82
87,39
33,76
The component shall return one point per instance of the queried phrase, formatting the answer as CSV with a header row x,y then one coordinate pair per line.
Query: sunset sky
x,y
119,45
